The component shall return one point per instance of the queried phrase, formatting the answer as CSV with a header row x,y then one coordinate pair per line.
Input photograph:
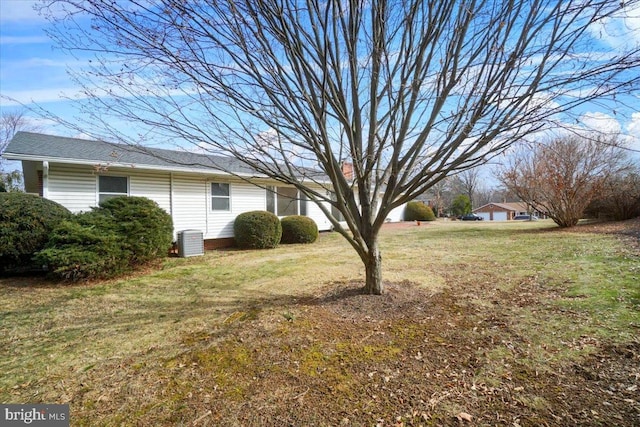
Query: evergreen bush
x,y
116,237
146,228
80,250
257,230
26,221
298,229
418,211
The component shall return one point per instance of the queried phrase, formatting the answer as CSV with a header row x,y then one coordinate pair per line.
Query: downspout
x,y
45,179
171,207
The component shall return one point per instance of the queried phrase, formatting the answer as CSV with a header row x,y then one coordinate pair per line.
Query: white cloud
x,y
23,40
27,11
38,62
633,131
19,11
25,97
606,124
621,30
600,122
634,125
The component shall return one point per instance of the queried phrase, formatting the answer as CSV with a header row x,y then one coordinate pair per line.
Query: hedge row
x,y
118,236
263,230
114,238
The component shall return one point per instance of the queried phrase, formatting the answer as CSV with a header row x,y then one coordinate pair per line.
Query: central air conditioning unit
x,y
190,243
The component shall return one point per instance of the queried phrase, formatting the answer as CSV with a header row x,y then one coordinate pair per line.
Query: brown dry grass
x,y
497,324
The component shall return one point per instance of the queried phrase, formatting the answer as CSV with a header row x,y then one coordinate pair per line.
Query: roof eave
x,y
140,166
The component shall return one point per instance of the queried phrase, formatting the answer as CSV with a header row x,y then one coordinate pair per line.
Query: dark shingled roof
x,y
25,145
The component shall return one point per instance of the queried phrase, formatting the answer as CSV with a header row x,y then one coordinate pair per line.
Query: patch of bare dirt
x,y
409,358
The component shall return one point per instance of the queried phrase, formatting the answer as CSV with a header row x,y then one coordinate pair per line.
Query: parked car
x,y
525,217
471,217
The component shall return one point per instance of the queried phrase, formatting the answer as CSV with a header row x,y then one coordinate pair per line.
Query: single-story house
x,y
198,194
503,211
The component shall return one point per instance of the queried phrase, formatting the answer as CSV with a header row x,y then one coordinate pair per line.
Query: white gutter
x,y
202,169
186,169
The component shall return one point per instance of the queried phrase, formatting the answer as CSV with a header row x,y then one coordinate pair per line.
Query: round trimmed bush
x,y
26,220
418,211
257,230
298,229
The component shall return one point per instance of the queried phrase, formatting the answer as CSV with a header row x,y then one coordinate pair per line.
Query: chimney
x,y
347,170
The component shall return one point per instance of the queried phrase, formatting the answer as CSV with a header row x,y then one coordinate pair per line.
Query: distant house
x,y
193,188
503,211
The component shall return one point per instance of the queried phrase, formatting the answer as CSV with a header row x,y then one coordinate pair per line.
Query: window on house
x,y
112,186
220,197
271,199
334,211
303,204
285,201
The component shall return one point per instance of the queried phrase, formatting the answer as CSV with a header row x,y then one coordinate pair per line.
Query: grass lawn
x,y
482,324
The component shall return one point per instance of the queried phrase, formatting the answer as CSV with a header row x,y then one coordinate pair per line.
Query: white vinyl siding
x,y
155,186
74,187
187,197
315,213
77,187
189,203
396,214
244,198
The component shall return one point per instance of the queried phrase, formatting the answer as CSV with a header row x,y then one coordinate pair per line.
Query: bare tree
x,y
439,195
563,176
408,91
10,123
619,198
466,182
484,195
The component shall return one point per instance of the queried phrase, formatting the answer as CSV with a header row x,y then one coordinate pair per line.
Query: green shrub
x,y
418,211
145,228
461,205
298,229
257,230
26,221
80,251
116,237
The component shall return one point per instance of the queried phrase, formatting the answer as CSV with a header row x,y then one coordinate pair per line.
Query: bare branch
x,y
563,176
409,92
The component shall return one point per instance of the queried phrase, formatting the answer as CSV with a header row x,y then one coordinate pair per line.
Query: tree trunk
x,y
373,268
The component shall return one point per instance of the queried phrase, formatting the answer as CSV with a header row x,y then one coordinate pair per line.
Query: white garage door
x,y
484,215
499,216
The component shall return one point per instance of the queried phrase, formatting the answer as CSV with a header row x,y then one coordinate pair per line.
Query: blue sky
x,y
31,70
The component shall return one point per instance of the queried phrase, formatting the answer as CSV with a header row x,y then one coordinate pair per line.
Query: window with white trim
x,y
334,210
112,186
220,196
285,201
